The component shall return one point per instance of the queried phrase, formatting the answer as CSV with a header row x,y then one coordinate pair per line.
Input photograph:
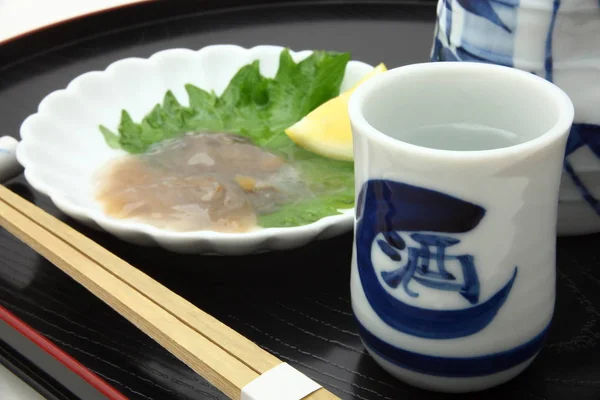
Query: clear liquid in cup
x,y
460,137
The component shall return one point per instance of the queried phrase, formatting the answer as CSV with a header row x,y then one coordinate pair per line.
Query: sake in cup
x,y
457,169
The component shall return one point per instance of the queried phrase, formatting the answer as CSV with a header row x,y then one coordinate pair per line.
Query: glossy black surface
x,y
294,304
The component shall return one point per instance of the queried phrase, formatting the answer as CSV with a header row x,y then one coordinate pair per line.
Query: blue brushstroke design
x,y
469,289
410,272
448,55
484,9
441,242
397,206
448,6
511,3
453,367
548,62
394,278
585,193
468,52
403,275
464,53
437,49
395,240
584,135
389,250
439,285
387,205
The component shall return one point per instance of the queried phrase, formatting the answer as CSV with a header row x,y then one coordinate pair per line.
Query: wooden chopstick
x,y
222,356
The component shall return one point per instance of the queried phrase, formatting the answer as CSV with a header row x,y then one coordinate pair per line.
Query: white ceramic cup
x,y
453,269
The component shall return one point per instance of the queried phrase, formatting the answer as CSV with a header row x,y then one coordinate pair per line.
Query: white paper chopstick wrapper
x,y
9,166
282,382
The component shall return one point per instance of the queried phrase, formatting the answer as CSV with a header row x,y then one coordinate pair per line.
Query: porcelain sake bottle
x,y
555,39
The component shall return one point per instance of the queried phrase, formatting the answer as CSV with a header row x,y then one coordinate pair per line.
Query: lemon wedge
x,y
326,130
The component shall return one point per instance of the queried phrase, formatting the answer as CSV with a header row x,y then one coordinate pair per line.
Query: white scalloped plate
x,y
61,147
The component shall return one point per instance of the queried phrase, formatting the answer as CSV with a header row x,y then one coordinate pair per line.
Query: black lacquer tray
x,y
294,304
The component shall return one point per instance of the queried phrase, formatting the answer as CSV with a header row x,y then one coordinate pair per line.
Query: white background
x,y
20,16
